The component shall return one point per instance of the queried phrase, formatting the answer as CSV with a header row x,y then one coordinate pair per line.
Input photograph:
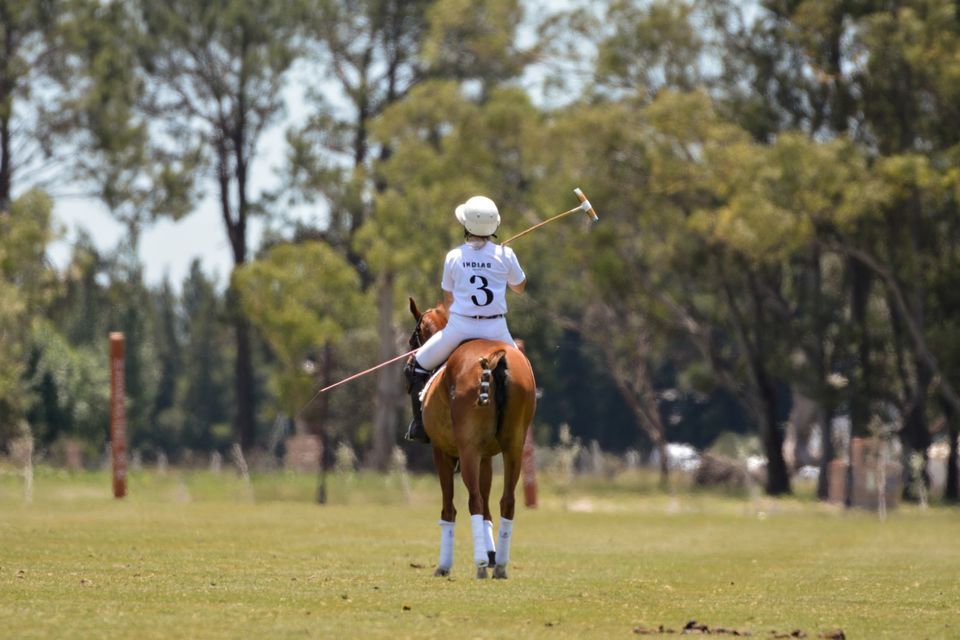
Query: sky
x,y
168,248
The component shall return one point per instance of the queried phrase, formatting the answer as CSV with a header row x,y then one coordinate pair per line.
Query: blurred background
x,y
250,190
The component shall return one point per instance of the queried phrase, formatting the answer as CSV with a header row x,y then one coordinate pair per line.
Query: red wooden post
x,y
118,417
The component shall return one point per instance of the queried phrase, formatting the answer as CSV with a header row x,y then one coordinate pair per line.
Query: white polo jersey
x,y
478,278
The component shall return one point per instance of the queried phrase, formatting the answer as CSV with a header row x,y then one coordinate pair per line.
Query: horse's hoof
x,y
500,572
481,573
441,573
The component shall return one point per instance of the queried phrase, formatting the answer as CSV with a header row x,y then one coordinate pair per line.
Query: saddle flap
x,y
426,388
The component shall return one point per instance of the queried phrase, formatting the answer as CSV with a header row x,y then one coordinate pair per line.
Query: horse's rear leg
x,y
448,513
511,475
470,473
486,479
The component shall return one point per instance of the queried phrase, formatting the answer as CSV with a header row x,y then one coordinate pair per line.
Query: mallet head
x,y
585,205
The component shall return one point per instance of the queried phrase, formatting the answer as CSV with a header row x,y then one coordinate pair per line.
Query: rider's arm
x,y
448,299
518,288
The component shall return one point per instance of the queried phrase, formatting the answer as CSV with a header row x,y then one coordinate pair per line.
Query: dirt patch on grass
x,y
700,629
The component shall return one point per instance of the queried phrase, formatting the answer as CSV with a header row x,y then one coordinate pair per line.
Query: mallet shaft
x,y
585,206
540,224
357,375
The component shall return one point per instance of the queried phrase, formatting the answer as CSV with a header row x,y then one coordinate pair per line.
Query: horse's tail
x,y
493,372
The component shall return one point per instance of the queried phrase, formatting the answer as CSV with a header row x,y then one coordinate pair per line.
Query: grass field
x,y
199,555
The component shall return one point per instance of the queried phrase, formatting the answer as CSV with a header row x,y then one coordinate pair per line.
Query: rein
x,y
415,342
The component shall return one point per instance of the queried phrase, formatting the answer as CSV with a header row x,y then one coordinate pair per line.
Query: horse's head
x,y
428,322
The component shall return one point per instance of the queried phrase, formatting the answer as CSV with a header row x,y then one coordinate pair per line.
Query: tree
x,y
30,32
204,395
24,287
302,297
373,51
70,390
476,41
214,76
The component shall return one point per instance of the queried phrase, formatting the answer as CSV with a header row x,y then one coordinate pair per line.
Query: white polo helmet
x,y
479,215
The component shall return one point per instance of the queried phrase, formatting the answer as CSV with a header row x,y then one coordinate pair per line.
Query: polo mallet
x,y
585,206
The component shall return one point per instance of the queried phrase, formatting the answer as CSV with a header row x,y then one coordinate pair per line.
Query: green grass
x,y
195,555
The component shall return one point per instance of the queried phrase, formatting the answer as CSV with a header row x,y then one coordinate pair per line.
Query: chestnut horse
x,y
480,403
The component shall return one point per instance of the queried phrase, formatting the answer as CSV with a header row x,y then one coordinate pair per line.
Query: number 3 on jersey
x,y
488,294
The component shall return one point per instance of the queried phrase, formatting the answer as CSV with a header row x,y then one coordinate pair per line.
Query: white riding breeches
x,y
435,351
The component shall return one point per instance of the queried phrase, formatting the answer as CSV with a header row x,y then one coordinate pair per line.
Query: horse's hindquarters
x,y
437,417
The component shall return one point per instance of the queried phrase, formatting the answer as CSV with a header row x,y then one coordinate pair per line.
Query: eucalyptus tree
x,y
885,78
702,262
31,41
910,111
476,42
655,152
213,77
718,263
881,75
371,51
593,280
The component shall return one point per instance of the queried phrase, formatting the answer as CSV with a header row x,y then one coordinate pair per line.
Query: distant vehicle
x,y
680,457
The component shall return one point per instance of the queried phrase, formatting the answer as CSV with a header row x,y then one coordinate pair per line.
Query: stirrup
x,y
416,432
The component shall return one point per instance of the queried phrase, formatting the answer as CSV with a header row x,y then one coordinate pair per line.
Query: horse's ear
x,y
413,309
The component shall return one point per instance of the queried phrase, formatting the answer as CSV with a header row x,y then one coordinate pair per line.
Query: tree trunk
x,y
244,425
861,381
951,492
778,478
915,434
244,422
388,382
6,106
321,422
764,386
235,223
828,453
5,171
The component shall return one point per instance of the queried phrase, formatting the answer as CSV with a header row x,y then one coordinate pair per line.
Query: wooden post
x,y
118,417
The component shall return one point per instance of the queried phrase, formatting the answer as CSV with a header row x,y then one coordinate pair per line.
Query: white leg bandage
x,y
446,545
488,536
479,541
503,544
